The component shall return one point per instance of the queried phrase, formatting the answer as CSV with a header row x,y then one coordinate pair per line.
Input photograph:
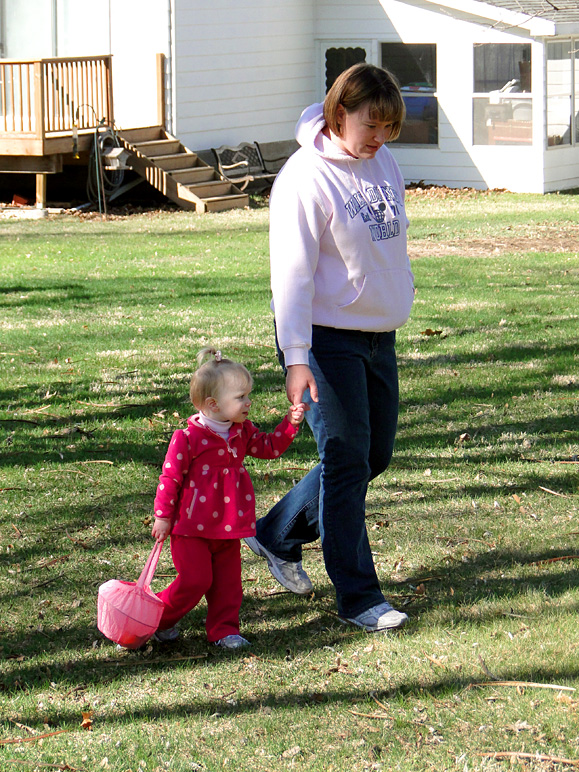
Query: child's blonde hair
x,y
213,373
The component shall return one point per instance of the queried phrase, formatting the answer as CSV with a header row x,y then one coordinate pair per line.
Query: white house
x,y
491,86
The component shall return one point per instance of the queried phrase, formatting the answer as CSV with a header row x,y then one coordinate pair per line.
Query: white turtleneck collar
x,y
219,427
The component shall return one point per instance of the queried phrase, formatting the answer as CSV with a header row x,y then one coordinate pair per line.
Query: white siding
x,y
561,168
139,31
243,70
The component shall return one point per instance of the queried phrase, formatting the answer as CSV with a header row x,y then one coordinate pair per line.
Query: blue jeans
x,y
354,425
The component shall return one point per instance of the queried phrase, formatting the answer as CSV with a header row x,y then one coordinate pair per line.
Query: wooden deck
x,y
44,103
50,110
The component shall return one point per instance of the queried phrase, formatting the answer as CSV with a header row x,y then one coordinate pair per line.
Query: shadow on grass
x,y
83,673
474,583
131,294
30,438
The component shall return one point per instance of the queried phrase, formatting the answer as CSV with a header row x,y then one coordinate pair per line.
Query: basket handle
x,y
148,571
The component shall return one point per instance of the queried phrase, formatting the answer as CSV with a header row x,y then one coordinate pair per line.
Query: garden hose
x,y
102,182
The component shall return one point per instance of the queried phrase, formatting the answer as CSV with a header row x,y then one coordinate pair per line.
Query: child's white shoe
x,y
233,642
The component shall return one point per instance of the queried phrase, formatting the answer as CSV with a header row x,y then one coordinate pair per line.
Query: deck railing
x,y
43,97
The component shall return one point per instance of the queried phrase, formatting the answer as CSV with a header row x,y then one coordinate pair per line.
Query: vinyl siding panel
x,y
243,71
561,168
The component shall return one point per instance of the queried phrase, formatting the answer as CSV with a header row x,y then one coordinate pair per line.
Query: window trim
x,y
574,95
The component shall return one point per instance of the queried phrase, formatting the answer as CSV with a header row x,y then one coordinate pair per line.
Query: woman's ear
x,y
340,114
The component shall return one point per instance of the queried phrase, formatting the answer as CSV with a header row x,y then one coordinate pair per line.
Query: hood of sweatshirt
x,y
310,136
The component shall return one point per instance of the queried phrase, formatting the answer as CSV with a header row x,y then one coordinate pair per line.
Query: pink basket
x,y
128,612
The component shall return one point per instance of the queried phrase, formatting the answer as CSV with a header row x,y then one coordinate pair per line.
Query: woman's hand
x,y
299,378
161,529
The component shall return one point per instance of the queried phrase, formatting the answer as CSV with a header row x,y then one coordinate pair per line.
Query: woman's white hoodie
x,y
337,241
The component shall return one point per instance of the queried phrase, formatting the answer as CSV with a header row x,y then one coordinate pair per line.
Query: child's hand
x,y
161,529
295,414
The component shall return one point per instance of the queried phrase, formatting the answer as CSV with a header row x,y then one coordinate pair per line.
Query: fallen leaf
x,y
87,720
339,667
291,752
518,726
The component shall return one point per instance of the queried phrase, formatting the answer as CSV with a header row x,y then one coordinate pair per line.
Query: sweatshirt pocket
x,y
382,304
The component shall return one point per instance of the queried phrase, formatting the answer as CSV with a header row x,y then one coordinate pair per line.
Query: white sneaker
x,y
233,642
290,575
380,617
166,636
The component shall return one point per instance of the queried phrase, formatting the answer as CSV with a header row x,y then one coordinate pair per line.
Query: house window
x,y
414,65
502,100
339,59
562,93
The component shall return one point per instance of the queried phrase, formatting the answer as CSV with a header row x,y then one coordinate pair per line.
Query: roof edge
x,y
535,25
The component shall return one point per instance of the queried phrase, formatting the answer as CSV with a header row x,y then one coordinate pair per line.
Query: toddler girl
x,y
205,498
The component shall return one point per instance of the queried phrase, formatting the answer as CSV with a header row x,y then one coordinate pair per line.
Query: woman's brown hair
x,y
366,84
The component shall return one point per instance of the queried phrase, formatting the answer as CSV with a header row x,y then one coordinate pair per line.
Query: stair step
x,y
158,147
220,203
210,189
177,161
193,175
143,134
179,173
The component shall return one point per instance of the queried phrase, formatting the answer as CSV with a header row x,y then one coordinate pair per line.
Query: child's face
x,y
232,402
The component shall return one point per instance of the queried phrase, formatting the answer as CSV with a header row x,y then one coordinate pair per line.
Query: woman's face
x,y
361,136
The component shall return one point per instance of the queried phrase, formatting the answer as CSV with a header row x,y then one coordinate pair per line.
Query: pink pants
x,y
210,567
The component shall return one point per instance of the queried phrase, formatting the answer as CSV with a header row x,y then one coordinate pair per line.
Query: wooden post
x,y
41,191
109,86
161,106
39,101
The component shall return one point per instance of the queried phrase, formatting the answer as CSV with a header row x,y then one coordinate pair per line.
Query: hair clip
x,y
218,356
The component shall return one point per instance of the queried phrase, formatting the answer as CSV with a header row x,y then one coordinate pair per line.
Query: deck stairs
x,y
177,172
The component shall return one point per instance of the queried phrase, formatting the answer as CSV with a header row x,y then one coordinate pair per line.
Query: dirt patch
x,y
547,238
528,237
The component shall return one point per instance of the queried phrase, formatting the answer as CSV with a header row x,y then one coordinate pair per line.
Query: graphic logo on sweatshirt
x,y
372,205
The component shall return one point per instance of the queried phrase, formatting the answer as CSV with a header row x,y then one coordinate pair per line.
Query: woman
x,y
341,285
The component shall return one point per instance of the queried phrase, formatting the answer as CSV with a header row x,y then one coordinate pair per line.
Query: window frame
x,y
500,110
410,95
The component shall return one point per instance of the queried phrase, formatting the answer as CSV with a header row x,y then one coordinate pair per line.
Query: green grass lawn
x,y
474,528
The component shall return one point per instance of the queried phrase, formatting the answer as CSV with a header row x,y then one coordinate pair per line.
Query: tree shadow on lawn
x,y
497,351
474,585
120,670
90,423
134,294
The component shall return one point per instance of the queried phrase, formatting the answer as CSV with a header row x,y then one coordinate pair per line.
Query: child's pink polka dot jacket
x,y
204,487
